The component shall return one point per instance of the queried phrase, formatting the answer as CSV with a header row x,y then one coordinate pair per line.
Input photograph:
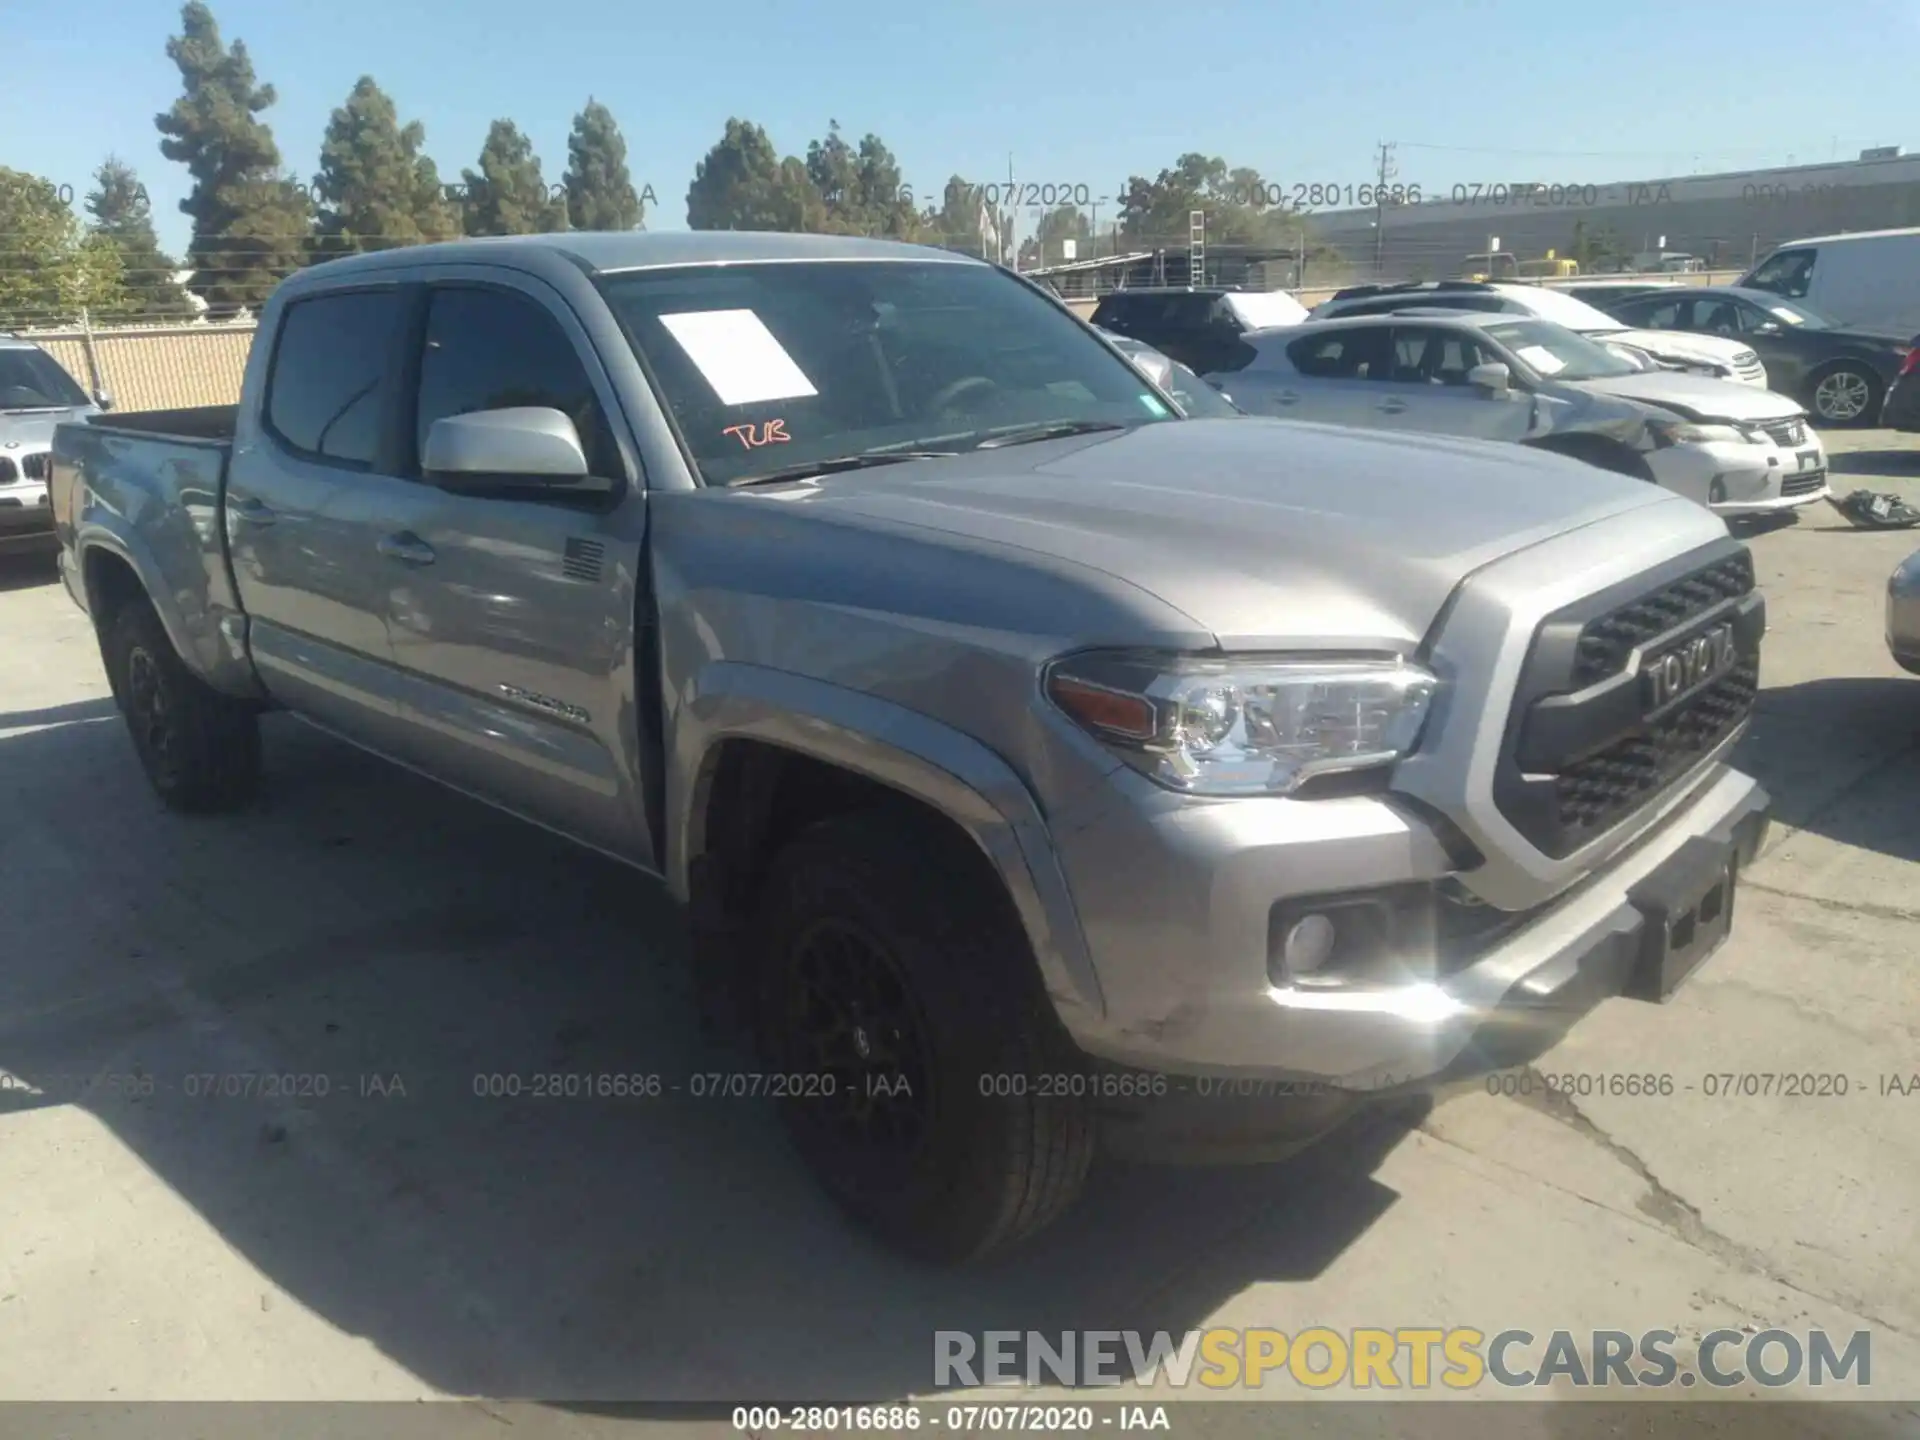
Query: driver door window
x,y
1789,273
1716,317
493,350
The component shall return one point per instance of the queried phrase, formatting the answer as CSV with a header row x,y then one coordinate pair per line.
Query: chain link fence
x,y
154,367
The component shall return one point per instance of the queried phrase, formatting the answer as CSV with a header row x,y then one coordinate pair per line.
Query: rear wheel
x,y
200,749
895,988
1845,394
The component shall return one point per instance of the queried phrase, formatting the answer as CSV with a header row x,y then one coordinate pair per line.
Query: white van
x,y
1869,280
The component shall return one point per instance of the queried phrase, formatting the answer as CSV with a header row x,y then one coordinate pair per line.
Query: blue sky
x,y
1564,93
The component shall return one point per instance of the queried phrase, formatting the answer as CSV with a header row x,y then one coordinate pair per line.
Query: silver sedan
x,y
1903,614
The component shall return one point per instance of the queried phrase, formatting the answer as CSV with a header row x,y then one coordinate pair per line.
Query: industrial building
x,y
1726,219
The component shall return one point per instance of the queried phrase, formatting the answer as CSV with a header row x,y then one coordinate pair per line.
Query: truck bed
x,y
197,423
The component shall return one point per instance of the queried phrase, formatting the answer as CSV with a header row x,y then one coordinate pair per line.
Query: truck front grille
x,y
1594,793
1607,642
1589,741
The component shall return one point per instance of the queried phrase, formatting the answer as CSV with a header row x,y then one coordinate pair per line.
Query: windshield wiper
x,y
1047,430
807,470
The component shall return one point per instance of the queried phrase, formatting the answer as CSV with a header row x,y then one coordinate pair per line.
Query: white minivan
x,y
1869,280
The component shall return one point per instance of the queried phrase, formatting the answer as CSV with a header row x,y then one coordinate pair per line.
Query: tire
x,y
199,748
1845,394
883,954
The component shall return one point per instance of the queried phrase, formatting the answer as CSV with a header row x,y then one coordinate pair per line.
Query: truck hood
x,y
1266,533
1677,345
1696,397
33,429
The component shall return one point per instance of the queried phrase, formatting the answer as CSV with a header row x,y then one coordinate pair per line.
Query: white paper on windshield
x,y
738,355
1541,359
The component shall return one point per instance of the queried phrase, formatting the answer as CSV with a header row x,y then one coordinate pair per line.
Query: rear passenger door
x,y
514,620
311,489
1326,378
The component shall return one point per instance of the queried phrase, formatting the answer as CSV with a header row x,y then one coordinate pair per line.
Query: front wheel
x,y
1846,395
897,993
200,749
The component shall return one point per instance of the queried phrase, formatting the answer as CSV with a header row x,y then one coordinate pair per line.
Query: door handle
x,y
407,548
253,512
1287,397
1392,407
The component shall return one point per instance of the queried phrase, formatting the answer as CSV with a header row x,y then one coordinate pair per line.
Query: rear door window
x,y
328,386
1356,354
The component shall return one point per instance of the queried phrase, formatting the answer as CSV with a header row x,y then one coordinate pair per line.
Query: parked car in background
x,y
1695,354
1599,293
36,393
1022,752
1197,399
1734,449
1839,373
1197,327
1903,614
1869,280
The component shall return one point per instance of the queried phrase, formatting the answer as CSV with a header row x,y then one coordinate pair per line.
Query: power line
x,y
1584,154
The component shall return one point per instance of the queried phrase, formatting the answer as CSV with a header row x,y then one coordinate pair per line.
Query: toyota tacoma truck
x,y
1041,770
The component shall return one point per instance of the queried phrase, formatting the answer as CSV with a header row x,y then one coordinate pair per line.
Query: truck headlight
x,y
1248,724
1683,432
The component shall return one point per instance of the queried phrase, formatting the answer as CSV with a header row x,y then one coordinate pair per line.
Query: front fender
x,y
906,751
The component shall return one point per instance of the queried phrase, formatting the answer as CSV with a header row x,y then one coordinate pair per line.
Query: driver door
x,y
514,620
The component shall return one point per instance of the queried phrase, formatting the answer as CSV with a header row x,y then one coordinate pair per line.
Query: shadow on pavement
x,y
24,572
1868,726
1892,464
395,955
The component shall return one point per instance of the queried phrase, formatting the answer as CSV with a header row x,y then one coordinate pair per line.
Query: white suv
x,y
1695,354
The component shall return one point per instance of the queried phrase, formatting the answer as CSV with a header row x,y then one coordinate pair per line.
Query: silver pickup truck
x,y
1041,770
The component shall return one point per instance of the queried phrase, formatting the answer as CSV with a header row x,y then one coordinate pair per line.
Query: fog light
x,y
1308,946
1717,493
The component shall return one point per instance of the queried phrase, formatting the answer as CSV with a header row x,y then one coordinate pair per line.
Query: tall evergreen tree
x,y
508,195
250,221
743,184
375,187
600,193
123,218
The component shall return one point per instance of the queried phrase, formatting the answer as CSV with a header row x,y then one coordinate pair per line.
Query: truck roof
x,y
607,251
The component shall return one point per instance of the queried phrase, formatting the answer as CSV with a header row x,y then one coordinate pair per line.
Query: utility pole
x,y
1011,239
1387,171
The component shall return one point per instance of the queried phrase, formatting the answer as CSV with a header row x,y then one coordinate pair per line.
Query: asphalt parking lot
x,y
401,1238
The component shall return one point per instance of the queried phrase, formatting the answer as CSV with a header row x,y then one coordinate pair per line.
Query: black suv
x,y
1200,328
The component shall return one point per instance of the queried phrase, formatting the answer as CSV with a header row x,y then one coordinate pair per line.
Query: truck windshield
x,y
33,380
769,366
1557,353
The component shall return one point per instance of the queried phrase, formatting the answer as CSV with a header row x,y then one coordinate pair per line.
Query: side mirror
x,y
525,448
103,399
1767,328
1494,378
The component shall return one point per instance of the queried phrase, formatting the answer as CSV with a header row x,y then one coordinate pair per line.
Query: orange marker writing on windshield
x,y
774,432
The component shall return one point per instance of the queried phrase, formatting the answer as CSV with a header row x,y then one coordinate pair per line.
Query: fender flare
x,y
209,639
922,758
